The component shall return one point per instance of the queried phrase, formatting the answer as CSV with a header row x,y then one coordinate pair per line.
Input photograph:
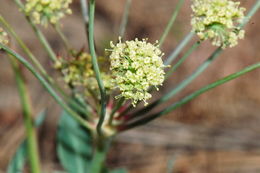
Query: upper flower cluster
x,y
47,11
78,72
136,65
3,37
217,20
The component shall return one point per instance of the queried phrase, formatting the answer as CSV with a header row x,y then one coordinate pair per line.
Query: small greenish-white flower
x,y
136,66
3,37
218,21
47,11
78,72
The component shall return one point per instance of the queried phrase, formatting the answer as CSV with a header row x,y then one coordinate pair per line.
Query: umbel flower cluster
x,y
218,21
136,66
78,72
47,11
3,37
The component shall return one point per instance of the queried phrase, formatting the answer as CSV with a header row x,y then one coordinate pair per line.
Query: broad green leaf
x,y
73,145
18,161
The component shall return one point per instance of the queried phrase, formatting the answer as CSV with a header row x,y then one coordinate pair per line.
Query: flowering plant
x,y
104,91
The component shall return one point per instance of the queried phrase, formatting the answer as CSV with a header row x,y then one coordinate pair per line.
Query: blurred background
x,y
216,133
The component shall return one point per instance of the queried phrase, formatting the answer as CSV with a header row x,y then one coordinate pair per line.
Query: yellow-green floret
x,y
136,66
47,11
218,21
3,37
78,73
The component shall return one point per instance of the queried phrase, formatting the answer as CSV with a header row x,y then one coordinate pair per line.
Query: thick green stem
x,y
47,86
124,21
192,96
32,145
98,161
96,67
170,24
100,154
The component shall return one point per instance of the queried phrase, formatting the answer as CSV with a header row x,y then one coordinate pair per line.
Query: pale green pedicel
x,y
218,21
136,66
47,11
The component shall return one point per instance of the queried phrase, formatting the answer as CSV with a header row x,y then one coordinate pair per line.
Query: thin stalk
x,y
124,20
129,107
83,103
23,46
249,15
37,63
170,23
32,145
85,13
38,33
198,71
182,59
186,40
119,103
43,40
182,85
172,57
19,3
179,48
78,106
47,86
192,96
96,67
62,36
